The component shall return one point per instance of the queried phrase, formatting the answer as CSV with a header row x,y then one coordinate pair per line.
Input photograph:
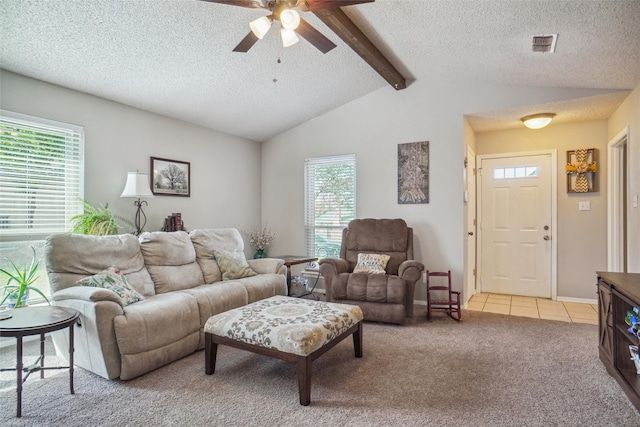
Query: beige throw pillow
x,y
233,265
371,264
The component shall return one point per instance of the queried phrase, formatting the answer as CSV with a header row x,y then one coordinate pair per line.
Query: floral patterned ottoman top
x,y
291,325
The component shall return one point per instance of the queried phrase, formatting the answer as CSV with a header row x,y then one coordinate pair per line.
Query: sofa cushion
x,y
204,243
171,261
114,280
71,257
371,263
233,265
156,331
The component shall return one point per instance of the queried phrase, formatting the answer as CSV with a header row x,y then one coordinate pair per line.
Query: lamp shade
x,y
537,121
137,185
289,19
289,37
260,26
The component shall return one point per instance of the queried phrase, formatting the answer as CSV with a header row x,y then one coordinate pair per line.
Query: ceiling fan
x,y
285,12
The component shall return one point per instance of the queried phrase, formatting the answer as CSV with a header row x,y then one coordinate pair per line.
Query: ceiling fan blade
x,y
246,43
242,3
310,5
314,37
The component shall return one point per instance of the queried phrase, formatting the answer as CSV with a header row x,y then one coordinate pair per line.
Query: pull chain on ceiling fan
x,y
291,22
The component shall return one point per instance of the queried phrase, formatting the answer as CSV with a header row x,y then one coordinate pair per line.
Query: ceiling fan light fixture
x,y
260,26
290,19
289,37
537,121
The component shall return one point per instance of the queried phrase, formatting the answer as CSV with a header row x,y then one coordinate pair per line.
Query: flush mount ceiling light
x,y
537,121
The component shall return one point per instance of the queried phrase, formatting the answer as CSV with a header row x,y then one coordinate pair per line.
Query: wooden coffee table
x,y
290,329
37,321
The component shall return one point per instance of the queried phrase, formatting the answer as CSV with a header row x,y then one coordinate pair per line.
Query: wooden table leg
x,y
357,340
303,369
19,375
210,354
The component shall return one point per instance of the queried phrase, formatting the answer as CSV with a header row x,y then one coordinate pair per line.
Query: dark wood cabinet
x,y
617,294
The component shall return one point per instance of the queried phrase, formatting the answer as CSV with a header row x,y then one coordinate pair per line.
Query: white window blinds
x,y
330,202
41,175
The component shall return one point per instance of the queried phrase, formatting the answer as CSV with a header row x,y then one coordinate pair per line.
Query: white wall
x,y
225,170
582,235
628,114
372,127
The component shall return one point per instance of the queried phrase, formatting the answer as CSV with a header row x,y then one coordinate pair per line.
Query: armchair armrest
x,y
339,265
87,293
329,268
410,270
267,265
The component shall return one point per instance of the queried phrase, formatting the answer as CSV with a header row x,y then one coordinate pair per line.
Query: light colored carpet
x,y
489,370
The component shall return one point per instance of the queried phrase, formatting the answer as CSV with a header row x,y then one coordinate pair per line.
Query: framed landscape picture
x,y
170,177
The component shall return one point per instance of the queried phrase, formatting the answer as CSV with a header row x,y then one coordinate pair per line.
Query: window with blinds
x,y
41,183
330,202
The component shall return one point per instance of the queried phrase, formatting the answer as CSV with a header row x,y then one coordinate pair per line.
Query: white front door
x,y
515,225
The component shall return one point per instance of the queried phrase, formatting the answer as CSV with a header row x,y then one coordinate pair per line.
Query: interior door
x,y
516,225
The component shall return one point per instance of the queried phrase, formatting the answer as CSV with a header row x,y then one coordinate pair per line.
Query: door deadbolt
x,y
470,233
546,227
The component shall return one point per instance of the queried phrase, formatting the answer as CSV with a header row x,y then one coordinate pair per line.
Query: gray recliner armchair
x,y
382,297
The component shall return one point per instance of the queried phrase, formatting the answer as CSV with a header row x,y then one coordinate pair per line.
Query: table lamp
x,y
138,186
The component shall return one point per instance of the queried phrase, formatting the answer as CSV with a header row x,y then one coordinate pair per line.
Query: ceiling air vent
x,y
545,43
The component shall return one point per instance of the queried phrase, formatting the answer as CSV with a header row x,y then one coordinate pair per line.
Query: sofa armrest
x,y
87,293
267,265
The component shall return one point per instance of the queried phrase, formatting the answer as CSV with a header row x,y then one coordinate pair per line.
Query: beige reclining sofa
x,y
182,285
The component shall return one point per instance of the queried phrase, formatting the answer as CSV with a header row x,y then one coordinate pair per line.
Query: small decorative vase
x,y
260,253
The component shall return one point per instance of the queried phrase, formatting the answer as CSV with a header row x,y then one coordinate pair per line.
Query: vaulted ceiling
x,y
174,57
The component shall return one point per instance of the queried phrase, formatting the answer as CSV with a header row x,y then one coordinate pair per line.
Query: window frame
x,y
60,149
311,166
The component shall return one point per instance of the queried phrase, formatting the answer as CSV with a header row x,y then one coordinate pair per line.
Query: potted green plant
x,y
96,221
18,293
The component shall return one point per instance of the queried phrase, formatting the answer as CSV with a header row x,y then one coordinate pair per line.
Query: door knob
x,y
470,233
547,238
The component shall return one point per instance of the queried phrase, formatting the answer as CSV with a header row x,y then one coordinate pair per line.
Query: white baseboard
x,y
578,300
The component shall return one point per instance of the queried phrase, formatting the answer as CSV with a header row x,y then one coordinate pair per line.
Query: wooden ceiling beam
x,y
347,30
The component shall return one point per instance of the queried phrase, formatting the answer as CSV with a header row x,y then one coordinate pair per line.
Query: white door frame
x,y
615,213
554,213
470,200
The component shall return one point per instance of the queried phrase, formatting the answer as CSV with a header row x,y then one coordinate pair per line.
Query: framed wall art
x,y
170,177
413,173
581,170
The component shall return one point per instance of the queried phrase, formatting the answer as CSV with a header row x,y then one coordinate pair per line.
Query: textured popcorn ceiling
x,y
174,57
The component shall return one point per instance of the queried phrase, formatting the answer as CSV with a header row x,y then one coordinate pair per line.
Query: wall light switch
x,y
634,203
584,206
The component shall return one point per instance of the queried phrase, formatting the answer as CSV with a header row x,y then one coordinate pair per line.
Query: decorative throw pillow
x,y
233,265
112,279
371,263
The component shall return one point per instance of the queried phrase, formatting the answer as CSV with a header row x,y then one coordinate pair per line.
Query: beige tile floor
x,y
539,308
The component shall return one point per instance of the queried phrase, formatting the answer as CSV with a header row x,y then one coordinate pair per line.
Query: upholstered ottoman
x,y
289,329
